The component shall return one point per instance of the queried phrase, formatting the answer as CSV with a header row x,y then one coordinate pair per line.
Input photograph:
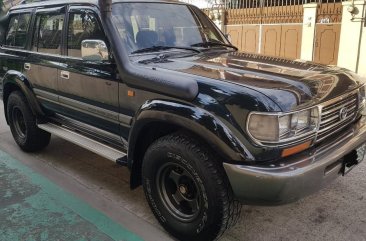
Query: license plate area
x,y
352,159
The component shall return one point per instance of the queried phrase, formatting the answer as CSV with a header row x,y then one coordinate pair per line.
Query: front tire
x,y
187,189
23,124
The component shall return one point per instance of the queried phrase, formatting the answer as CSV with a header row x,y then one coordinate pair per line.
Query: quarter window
x,y
17,31
82,26
48,33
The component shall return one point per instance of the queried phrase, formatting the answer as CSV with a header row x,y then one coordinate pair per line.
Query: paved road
x,y
337,213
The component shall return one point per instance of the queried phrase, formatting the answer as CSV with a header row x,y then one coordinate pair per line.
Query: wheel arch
x,y
159,118
16,81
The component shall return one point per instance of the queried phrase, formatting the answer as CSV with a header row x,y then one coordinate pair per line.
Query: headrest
x,y
146,38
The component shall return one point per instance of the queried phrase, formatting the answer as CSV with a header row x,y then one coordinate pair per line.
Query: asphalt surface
x,y
336,213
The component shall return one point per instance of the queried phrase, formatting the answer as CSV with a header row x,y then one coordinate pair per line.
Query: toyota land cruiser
x,y
155,86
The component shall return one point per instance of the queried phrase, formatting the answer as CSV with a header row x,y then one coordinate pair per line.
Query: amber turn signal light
x,y
296,149
131,93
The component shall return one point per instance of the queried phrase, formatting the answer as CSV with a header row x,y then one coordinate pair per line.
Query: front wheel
x,y
187,189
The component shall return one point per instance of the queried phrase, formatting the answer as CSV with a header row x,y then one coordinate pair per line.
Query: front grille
x,y
331,121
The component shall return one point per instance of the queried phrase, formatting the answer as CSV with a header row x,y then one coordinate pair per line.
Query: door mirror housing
x,y
94,50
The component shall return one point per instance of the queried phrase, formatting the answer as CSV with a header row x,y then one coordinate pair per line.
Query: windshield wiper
x,y
160,48
212,43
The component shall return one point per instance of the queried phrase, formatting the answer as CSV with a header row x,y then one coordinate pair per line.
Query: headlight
x,y
281,128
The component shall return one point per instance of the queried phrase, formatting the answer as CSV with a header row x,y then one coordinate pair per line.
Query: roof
x,y
89,2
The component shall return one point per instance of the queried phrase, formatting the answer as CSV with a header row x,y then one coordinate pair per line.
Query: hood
x,y
291,84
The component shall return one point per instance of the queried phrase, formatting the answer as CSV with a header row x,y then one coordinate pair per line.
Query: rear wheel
x,y
187,189
23,124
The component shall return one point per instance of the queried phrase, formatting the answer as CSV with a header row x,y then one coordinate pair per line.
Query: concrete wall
x,y
199,3
362,53
351,34
308,31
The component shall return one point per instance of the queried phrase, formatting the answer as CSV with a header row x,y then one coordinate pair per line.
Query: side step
x,y
80,140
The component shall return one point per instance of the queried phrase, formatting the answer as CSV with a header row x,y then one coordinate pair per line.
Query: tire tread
x,y
231,208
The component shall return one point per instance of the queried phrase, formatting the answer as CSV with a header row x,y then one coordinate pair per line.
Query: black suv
x,y
155,86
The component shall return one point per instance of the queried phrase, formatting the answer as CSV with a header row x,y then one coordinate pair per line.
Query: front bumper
x,y
296,176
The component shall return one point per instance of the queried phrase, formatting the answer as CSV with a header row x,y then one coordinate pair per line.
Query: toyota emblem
x,y
343,113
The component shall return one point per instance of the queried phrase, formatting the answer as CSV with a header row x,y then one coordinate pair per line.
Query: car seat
x,y
146,38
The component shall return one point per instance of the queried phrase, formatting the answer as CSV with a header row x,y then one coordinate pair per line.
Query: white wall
x,y
199,3
308,31
362,57
349,50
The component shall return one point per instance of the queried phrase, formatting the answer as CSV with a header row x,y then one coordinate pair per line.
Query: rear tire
x,y
187,188
23,124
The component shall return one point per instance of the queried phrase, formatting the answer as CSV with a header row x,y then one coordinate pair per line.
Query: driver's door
x,y
88,90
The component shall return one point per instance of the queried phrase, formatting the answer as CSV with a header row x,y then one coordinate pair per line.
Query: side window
x,y
82,26
48,33
17,32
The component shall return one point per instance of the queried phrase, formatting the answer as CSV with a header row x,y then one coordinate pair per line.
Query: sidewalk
x,y
33,208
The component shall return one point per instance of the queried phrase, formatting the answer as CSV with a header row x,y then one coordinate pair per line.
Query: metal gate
x,y
266,26
274,27
328,32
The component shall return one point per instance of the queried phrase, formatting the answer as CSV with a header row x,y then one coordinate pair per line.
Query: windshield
x,y
147,25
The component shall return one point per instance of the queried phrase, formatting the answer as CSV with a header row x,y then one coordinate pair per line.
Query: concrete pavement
x,y
337,213
33,208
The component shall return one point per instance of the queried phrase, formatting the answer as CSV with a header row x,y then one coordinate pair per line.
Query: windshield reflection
x,y
150,25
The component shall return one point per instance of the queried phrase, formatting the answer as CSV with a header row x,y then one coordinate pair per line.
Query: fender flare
x,y
198,121
15,78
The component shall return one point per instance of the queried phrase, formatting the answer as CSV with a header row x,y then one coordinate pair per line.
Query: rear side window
x,y
17,32
48,33
82,26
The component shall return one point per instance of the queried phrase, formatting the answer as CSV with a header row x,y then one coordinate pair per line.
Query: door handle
x,y
65,74
27,66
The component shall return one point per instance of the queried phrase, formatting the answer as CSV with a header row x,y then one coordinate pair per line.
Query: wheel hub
x,y
179,191
183,189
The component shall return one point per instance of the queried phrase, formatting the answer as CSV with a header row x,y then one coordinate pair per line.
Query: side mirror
x,y
94,50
